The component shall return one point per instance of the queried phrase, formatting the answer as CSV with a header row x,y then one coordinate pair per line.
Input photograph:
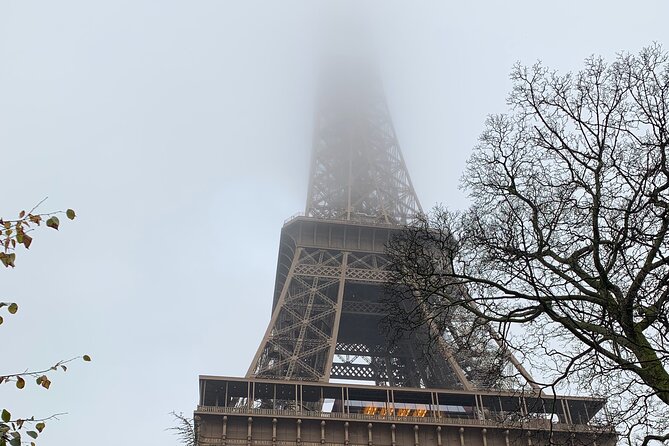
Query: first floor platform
x,y
243,411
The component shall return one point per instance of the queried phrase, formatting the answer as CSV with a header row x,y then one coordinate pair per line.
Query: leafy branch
x,y
10,430
40,375
14,233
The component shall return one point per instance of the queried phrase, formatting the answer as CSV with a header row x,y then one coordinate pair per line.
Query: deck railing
x,y
506,422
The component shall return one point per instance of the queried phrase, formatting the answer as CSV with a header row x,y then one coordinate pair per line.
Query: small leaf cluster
x,y
16,232
10,429
12,308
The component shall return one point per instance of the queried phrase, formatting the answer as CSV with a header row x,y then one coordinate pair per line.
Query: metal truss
x,y
332,268
300,335
364,362
300,339
364,267
357,169
326,320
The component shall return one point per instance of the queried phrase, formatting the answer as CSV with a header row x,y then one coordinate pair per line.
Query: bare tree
x,y
184,429
564,249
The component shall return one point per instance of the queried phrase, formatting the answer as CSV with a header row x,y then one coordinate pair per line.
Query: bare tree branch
x,y
564,248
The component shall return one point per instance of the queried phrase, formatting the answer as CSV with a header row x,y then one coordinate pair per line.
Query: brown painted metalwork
x,y
325,324
332,265
238,411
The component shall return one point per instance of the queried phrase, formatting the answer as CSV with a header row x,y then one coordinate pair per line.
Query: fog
x,y
180,132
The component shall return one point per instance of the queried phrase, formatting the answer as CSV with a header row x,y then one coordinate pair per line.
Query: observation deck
x,y
234,411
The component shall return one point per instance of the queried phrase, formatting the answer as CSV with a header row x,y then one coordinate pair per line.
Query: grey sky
x,y
180,132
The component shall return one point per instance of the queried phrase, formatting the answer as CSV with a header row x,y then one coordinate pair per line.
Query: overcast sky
x,y
180,133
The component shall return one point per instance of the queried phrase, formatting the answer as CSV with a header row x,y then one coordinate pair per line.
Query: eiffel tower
x,y
325,371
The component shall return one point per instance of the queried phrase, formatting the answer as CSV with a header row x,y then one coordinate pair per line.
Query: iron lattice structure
x,y
357,169
329,292
328,304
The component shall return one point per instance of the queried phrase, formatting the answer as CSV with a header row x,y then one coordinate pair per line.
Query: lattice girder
x,y
332,266
330,295
303,325
357,171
